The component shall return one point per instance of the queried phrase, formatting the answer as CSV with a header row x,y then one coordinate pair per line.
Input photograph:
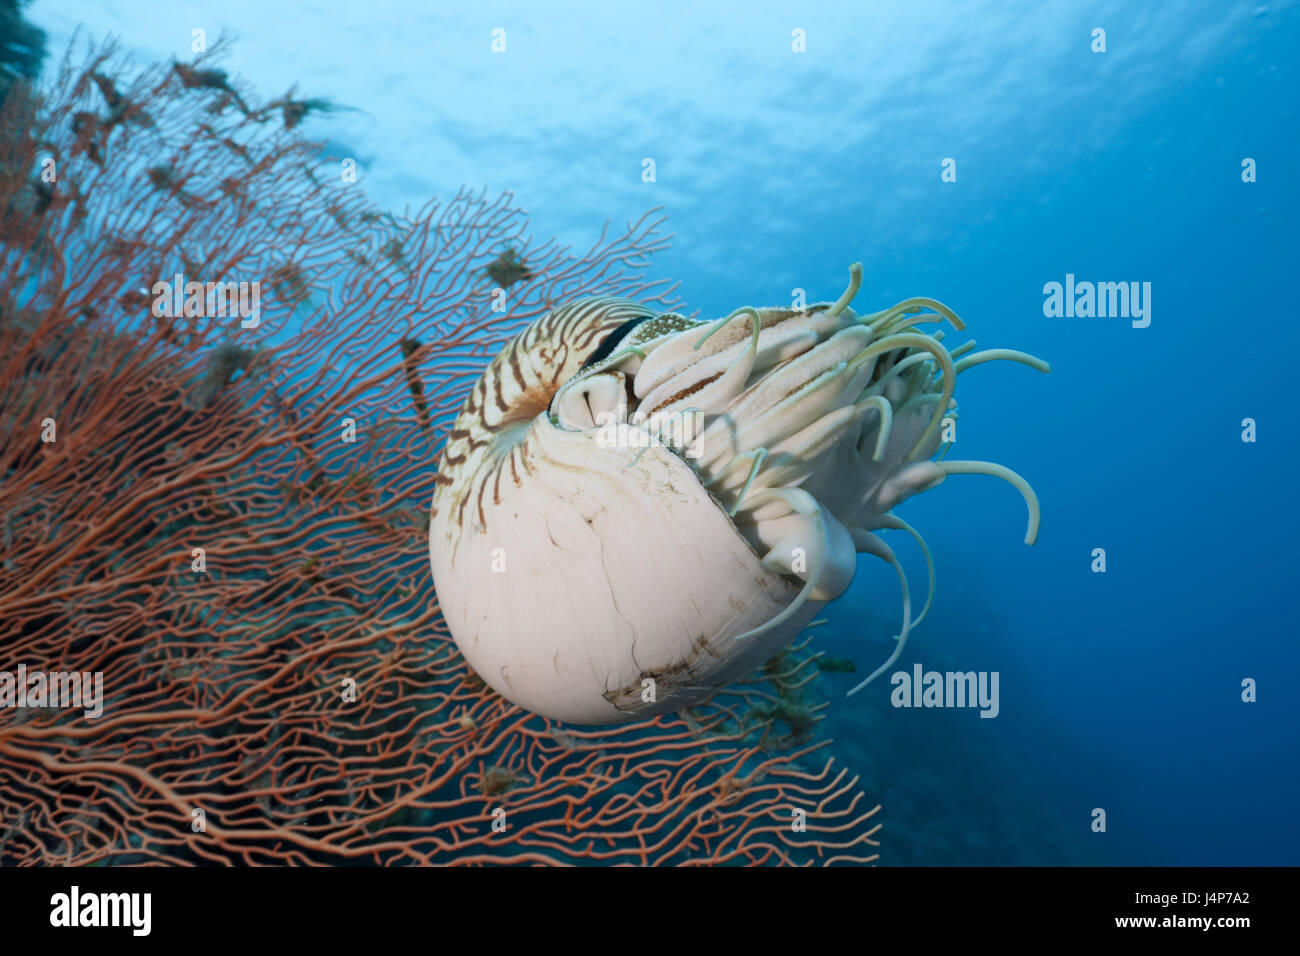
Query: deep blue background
x,y
1122,690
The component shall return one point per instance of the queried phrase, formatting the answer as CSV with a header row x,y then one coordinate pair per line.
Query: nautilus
x,y
634,509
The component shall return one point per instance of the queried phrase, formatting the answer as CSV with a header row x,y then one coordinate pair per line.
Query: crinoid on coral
x,y
227,519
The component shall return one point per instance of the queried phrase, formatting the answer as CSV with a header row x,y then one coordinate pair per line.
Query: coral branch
x,y
186,514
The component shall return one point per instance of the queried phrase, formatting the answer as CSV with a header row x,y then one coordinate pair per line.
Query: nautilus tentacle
x,y
634,509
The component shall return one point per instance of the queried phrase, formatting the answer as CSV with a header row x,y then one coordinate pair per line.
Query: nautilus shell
x,y
634,509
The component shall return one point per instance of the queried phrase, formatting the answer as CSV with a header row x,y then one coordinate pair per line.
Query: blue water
x,y
1119,691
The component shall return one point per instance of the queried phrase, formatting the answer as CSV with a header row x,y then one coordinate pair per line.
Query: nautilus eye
x,y
634,509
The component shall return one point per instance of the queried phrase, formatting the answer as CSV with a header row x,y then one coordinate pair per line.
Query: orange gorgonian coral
x,y
222,509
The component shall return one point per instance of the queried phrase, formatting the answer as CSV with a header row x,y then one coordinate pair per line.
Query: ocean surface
x,y
973,153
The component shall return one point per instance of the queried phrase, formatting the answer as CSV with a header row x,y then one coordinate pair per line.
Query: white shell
x,y
583,567
612,575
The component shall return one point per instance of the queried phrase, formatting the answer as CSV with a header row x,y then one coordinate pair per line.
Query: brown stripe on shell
x,y
516,387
